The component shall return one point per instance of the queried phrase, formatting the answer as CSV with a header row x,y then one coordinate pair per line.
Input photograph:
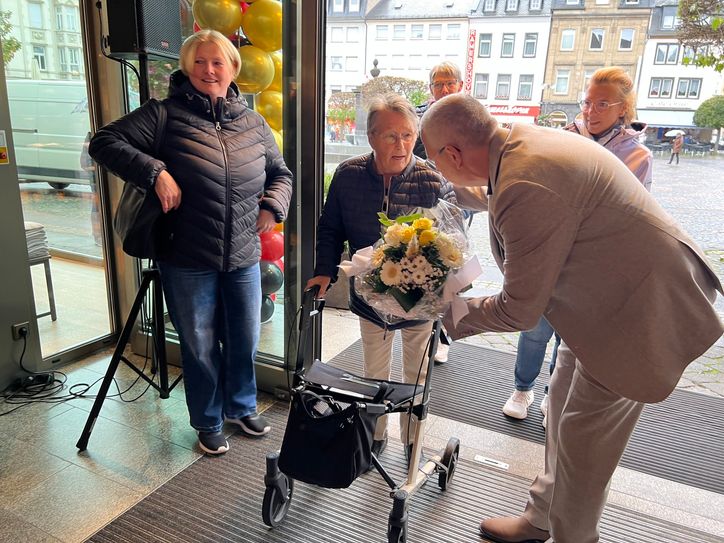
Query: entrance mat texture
x,y
680,439
219,500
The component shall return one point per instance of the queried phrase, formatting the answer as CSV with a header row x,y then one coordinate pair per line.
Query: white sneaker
x,y
518,403
544,410
441,354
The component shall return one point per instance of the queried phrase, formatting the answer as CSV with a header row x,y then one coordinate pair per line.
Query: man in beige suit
x,y
580,241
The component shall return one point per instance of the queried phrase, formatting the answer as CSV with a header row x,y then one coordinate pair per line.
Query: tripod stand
x,y
151,278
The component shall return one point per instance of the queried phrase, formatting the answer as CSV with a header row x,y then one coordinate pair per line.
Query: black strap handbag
x,y
144,229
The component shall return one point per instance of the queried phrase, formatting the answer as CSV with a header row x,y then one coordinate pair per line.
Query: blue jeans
x,y
531,353
217,316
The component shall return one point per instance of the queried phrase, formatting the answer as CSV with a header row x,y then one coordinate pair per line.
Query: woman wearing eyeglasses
x,y
607,118
393,181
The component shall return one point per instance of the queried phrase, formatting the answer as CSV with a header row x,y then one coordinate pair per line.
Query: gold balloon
x,y
257,70
221,15
279,139
276,84
262,24
269,105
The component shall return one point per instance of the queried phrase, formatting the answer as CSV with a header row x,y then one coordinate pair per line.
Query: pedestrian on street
x,y
676,146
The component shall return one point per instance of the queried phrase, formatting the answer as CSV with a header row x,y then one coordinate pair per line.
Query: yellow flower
x,y
422,223
378,256
426,237
391,273
393,235
407,234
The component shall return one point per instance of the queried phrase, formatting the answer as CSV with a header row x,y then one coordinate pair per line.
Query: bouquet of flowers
x,y
402,276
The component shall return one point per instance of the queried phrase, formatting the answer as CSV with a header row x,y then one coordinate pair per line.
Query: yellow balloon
x,y
257,70
221,15
269,105
262,24
279,139
276,84
279,227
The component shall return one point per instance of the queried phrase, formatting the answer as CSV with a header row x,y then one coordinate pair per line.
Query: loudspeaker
x,y
144,27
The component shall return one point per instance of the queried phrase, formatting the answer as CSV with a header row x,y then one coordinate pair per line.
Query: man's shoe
x,y
441,354
512,530
253,425
378,446
213,442
518,403
544,410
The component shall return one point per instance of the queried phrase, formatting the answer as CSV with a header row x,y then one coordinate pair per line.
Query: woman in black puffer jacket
x,y
221,173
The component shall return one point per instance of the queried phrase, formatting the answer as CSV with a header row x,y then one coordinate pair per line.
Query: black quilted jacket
x,y
350,213
224,159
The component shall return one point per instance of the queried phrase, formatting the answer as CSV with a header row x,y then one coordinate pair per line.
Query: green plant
x,y
702,29
710,114
10,44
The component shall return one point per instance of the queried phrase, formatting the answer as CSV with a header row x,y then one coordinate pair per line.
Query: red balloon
x,y
244,6
273,297
279,263
272,245
196,27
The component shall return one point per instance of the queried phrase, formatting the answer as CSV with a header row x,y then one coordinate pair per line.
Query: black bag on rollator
x,y
327,443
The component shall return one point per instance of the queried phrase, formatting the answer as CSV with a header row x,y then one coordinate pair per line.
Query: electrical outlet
x,y
18,330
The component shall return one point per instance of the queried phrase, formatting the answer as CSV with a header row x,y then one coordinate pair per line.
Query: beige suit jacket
x,y
580,241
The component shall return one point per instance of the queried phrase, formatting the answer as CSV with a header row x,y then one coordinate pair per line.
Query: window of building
x,y
352,64
336,34
416,62
587,75
561,84
666,53
398,62
661,87
480,88
508,46
39,57
338,6
568,39
625,41
601,2
381,32
69,59
453,31
398,32
535,5
35,15
631,2
485,45
572,2
489,5
335,64
670,17
688,88
354,6
511,5
691,53
502,87
525,87
416,32
66,18
530,44
435,32
596,43
352,34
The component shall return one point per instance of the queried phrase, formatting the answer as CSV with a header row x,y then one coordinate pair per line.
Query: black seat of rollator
x,y
340,381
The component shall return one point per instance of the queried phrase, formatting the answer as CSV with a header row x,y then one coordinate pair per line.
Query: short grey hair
x,y
391,102
462,118
187,55
447,68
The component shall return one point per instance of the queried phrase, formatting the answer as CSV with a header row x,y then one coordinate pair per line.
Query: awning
x,y
666,118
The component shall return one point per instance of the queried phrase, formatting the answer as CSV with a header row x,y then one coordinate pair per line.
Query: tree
x,y
711,115
341,112
414,90
702,29
10,44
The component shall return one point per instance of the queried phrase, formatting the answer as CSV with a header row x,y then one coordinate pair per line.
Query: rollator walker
x,y
330,429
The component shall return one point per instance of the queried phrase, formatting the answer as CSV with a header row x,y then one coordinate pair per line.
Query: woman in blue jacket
x,y
221,173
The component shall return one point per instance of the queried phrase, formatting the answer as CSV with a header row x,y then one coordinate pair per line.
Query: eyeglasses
x,y
449,85
392,138
598,107
430,163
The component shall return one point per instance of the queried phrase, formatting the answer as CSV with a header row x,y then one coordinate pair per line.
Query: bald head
x,y
458,119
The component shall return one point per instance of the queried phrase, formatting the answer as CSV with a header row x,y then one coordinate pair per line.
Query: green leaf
x,y
407,300
384,219
408,218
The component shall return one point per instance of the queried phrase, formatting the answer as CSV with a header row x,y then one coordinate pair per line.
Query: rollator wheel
x,y
397,525
277,502
449,460
397,534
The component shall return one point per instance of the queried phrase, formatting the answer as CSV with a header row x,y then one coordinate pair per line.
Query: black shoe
x,y
213,442
253,425
378,446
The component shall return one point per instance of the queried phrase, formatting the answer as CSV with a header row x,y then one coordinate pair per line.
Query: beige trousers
x,y
588,429
377,352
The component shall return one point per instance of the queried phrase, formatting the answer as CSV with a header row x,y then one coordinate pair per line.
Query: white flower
x,y
449,252
393,235
391,273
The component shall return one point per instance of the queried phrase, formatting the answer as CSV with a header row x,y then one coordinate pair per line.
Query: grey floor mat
x,y
219,500
680,439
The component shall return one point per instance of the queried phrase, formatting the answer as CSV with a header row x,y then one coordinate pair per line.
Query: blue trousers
x,y
217,316
531,353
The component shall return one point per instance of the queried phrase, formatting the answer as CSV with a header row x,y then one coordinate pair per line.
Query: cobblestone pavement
x,y
693,193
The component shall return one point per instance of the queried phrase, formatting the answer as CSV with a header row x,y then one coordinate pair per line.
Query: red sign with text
x,y
524,111
469,61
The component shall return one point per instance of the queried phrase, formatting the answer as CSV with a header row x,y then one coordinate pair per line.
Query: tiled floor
x,y
51,492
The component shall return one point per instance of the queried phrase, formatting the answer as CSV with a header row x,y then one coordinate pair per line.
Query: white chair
x,y
38,253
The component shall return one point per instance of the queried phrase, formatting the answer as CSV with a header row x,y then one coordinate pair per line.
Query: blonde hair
x,y
462,118
390,102
445,68
624,89
187,54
